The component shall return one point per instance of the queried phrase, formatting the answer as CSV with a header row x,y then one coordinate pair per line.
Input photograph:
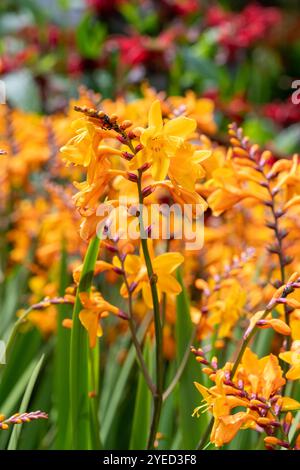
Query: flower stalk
x,y
158,397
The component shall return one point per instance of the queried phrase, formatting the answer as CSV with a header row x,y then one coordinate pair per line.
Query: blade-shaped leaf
x,y
191,428
142,410
13,442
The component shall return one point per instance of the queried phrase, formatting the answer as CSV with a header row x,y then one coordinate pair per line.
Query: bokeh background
x,y
241,55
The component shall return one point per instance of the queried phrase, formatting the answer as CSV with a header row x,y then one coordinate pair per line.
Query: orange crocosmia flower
x,y
261,381
100,267
161,140
293,358
95,219
163,266
290,178
261,376
82,148
201,109
229,188
226,307
183,196
94,308
45,320
185,165
289,404
226,425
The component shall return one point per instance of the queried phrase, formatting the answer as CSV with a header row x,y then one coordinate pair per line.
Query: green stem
x,y
62,361
158,397
79,371
181,367
205,437
245,344
136,343
94,401
16,327
286,292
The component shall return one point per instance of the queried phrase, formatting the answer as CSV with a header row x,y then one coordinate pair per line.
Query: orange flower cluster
x,y
119,159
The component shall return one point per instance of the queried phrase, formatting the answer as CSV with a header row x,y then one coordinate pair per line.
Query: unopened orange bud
x,y
241,152
288,417
137,131
244,161
67,323
114,117
125,124
292,303
234,141
280,326
4,426
280,165
266,155
274,441
255,402
264,421
207,370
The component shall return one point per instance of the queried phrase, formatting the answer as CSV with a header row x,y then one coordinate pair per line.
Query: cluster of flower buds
x,y
282,293
241,148
19,418
263,318
47,301
210,366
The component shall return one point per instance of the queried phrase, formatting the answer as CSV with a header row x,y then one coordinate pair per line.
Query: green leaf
x,y
142,23
9,405
259,130
13,288
79,359
90,35
13,442
62,358
94,370
118,392
189,398
262,342
167,424
142,410
288,140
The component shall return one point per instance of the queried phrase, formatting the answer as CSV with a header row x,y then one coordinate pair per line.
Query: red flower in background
x,y
182,7
137,49
283,113
74,64
9,63
104,6
53,33
243,29
216,16
133,49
